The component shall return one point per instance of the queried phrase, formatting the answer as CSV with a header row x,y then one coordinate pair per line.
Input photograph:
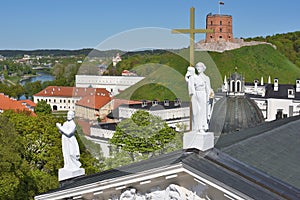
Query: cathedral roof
x,y
234,113
215,166
272,147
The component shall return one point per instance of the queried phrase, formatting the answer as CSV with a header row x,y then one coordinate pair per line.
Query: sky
x,y
109,24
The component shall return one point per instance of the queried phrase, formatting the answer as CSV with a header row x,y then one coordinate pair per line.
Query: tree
x,y
30,155
11,164
143,133
32,88
42,108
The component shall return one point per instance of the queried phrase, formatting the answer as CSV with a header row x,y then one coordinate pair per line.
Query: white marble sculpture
x,y
172,192
70,146
200,91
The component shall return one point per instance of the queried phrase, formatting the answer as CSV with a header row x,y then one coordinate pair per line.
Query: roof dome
x,y
233,113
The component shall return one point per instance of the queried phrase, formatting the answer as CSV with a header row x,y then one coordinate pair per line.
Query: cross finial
x,y
192,32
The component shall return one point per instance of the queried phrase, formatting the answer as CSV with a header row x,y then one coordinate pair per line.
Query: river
x,y
42,76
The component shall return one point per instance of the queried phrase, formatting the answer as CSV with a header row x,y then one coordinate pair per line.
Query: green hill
x,y
287,43
166,69
257,61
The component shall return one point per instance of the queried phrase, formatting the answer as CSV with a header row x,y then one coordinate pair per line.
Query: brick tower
x,y
222,26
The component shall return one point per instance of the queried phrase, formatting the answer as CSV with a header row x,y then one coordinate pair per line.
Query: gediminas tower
x,y
222,27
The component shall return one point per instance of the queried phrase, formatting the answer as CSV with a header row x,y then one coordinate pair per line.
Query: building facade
x,y
221,26
175,113
65,98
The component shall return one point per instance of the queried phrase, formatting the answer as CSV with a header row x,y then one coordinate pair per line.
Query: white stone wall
x,y
113,84
86,113
102,133
62,103
256,90
176,116
275,104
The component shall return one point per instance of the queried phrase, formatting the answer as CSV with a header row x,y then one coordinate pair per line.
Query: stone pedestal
x,y
196,140
64,174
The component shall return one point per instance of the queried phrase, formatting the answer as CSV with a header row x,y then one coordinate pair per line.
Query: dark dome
x,y
233,113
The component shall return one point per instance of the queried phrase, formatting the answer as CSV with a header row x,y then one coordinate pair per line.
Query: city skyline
x,y
56,24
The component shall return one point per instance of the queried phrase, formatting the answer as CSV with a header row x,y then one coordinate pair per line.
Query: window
x,y
220,37
221,23
211,22
291,93
221,30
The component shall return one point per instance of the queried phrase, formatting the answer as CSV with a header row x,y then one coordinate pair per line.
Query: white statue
x,y
70,146
200,92
131,194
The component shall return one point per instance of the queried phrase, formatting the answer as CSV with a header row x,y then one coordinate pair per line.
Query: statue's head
x,y
191,70
70,115
200,67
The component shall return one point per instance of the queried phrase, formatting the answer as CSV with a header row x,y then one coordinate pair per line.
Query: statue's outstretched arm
x,y
66,130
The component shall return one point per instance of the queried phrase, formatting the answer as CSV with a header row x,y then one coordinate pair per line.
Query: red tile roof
x,y
60,91
118,102
28,102
7,103
94,101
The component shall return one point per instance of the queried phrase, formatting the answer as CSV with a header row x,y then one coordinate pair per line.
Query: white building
x,y
275,100
279,100
175,113
113,84
64,98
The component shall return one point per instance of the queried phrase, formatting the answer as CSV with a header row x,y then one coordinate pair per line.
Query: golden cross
x,y
192,32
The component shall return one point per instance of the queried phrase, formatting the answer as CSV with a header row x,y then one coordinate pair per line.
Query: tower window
x,y
220,37
211,22
221,30
221,23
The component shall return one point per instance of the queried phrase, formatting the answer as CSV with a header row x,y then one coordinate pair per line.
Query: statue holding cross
x,y
199,90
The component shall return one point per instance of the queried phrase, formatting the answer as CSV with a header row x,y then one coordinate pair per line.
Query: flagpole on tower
x,y
221,3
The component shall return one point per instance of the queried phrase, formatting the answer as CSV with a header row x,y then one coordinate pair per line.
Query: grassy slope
x,y
253,62
256,61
